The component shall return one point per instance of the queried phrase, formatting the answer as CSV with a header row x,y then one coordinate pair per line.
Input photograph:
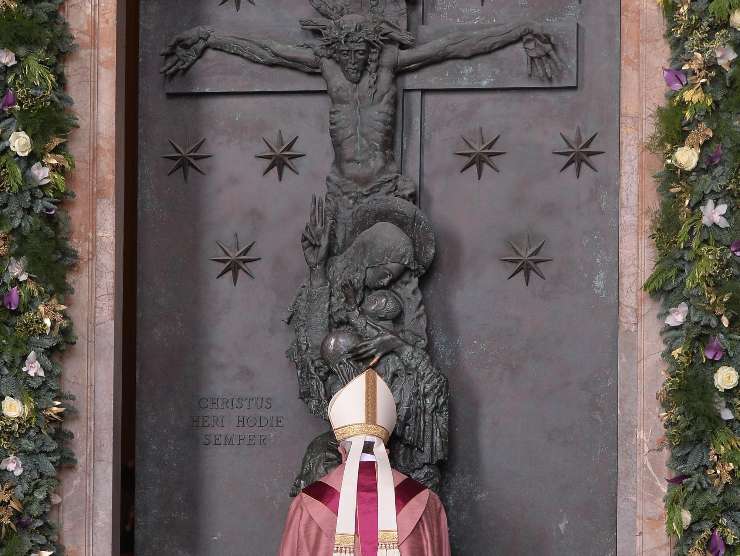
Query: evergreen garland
x,y
35,256
697,238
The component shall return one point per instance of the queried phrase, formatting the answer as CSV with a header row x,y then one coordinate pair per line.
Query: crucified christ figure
x,y
368,245
359,57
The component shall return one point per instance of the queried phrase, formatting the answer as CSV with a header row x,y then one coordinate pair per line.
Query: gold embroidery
x,y
344,540
343,433
388,537
371,401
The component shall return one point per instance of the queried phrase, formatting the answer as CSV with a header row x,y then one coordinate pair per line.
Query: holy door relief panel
x,y
374,244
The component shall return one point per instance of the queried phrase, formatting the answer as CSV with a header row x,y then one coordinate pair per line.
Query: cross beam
x,y
217,72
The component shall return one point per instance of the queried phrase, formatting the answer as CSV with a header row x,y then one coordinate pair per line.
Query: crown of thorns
x,y
348,29
341,32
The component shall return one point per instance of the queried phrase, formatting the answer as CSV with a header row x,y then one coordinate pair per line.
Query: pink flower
x,y
725,55
40,173
32,366
13,465
735,247
677,315
714,215
7,57
17,269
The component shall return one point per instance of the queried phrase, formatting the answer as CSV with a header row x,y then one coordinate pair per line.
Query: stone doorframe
x,y
89,515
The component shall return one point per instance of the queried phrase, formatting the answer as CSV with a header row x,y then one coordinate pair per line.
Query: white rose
x,y
686,158
12,408
20,143
7,57
725,378
735,19
685,518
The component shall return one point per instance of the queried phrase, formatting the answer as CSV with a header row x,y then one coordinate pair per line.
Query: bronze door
x,y
525,331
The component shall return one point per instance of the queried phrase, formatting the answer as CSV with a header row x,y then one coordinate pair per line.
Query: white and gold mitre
x,y
365,411
364,407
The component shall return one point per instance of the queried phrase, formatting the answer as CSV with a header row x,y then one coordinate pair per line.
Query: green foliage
x,y
674,506
15,545
34,228
31,70
44,123
668,130
695,266
44,248
663,276
721,9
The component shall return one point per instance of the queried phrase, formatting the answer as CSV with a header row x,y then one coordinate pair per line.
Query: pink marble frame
x,y
89,514
640,521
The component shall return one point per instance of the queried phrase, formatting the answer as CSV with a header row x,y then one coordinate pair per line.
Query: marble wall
x,y
88,513
642,472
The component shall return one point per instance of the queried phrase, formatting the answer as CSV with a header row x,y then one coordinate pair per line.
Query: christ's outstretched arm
x,y
542,58
186,48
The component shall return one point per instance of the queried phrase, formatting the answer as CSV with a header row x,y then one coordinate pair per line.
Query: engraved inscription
x,y
236,421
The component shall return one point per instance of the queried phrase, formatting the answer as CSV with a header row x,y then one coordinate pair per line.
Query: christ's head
x,y
354,42
352,57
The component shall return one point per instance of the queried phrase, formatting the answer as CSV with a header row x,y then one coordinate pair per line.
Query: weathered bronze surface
x,y
367,245
221,430
527,259
280,154
235,260
237,3
578,152
481,154
186,158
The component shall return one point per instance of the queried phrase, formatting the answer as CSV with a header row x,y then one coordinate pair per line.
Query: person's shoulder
x,y
434,499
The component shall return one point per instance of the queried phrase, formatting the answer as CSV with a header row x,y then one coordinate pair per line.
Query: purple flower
x,y
678,479
12,299
8,100
716,544
714,350
24,522
715,156
675,79
735,247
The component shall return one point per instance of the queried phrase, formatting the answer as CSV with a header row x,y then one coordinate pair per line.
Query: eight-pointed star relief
x,y
280,155
527,260
186,158
578,152
238,3
235,259
481,154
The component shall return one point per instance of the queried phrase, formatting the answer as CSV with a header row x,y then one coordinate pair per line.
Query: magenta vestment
x,y
312,519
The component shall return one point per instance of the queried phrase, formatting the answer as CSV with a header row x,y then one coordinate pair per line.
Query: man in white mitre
x,y
363,507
